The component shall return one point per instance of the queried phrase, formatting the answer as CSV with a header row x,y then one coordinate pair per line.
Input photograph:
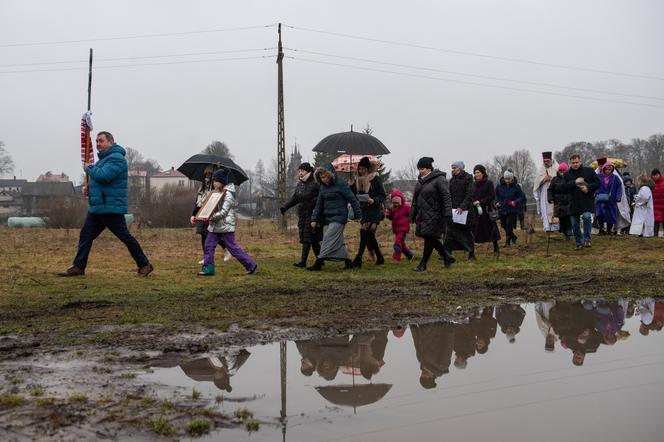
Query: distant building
x,y
50,177
170,177
36,194
12,186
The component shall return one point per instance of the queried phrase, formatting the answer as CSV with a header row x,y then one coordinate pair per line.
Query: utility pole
x,y
281,136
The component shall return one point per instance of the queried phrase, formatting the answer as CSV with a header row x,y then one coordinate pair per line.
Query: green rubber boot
x,y
208,270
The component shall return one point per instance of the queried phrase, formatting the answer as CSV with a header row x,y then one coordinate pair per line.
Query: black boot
x,y
449,260
357,262
318,265
305,254
379,257
471,256
348,264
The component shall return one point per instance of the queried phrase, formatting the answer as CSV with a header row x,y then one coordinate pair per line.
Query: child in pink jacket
x,y
399,213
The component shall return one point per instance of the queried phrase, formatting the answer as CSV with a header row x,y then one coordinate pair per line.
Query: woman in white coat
x,y
643,220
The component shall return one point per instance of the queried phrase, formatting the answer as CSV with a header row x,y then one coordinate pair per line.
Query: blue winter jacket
x,y
107,190
512,192
332,202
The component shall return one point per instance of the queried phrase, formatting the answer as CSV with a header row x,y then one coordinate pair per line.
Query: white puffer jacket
x,y
224,220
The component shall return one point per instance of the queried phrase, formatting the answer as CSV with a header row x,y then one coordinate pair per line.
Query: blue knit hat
x,y
221,175
459,164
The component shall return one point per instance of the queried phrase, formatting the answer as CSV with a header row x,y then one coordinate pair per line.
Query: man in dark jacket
x,y
107,198
431,211
580,183
305,196
461,236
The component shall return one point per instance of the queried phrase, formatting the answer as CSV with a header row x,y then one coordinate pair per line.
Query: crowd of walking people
x,y
449,215
457,213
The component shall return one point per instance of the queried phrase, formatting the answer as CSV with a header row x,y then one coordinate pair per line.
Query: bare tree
x,y
497,167
135,161
408,173
6,162
523,166
218,148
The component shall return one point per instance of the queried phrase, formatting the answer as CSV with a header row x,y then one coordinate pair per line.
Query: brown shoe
x,y
145,270
587,244
72,271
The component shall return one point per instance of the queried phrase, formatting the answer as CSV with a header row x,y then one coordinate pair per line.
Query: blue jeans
x,y
95,224
576,227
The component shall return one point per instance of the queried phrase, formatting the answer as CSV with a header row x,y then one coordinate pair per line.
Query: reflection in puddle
x,y
562,370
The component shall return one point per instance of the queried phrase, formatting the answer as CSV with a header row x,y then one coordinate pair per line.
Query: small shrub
x,y
195,394
198,427
252,425
78,397
160,425
10,400
243,413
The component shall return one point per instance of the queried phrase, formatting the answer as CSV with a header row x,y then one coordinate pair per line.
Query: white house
x,y
172,177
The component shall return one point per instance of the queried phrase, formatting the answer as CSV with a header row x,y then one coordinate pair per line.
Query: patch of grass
x,y
37,391
281,294
243,413
167,405
161,426
128,376
11,400
77,398
44,401
195,394
219,399
198,427
252,425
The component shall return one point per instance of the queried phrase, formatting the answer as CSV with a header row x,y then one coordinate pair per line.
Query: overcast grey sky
x,y
171,111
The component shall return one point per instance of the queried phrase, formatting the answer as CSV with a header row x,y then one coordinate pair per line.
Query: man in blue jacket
x,y
107,199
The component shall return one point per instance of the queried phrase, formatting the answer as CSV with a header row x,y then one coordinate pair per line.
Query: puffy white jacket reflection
x,y
224,220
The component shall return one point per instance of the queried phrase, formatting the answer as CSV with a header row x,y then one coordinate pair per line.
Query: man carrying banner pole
x,y
106,188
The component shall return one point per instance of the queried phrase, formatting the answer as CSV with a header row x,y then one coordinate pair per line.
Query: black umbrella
x,y
354,143
194,167
354,395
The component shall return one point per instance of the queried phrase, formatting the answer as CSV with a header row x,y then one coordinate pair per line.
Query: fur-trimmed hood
x,y
326,168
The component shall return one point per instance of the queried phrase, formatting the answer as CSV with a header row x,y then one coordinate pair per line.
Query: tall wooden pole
x,y
87,131
281,136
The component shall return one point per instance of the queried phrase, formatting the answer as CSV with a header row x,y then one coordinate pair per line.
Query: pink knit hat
x,y
563,167
607,164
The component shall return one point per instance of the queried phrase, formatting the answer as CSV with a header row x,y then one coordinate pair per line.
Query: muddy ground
x,y
70,348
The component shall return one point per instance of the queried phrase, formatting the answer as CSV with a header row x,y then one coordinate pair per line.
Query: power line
x,y
488,77
256,57
187,54
476,84
476,54
131,37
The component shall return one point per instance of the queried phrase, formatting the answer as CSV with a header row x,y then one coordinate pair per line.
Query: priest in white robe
x,y
542,182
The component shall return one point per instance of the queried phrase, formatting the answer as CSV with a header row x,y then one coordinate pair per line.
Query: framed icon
x,y
209,205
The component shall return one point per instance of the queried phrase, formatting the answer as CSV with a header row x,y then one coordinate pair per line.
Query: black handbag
x,y
494,215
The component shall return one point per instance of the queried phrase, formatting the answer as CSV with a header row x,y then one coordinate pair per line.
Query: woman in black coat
x,y
484,195
431,211
368,187
461,236
560,201
305,195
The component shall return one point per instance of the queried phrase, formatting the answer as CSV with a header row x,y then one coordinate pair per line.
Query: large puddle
x,y
532,372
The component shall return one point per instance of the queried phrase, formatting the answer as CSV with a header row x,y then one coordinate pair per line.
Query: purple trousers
x,y
236,251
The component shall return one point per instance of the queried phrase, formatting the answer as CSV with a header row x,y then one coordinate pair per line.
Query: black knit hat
x,y
306,167
480,168
364,162
221,175
425,163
